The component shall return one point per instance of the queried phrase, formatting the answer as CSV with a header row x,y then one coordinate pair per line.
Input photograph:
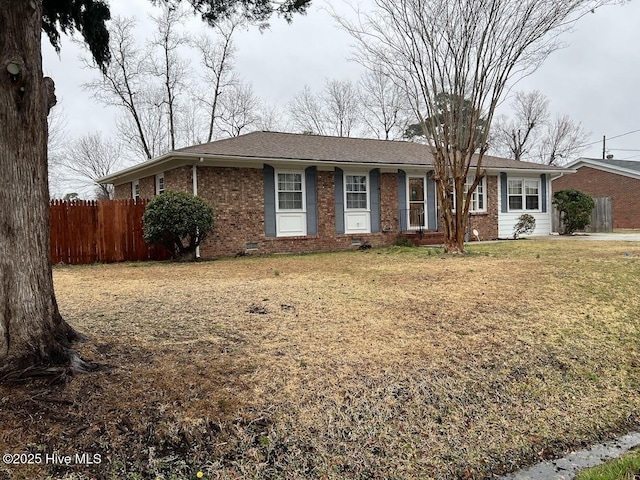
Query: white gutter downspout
x,y
194,179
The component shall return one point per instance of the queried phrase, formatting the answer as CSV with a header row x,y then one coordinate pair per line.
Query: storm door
x,y
417,206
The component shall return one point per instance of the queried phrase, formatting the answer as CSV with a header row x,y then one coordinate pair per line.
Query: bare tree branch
x,y
336,111
122,84
307,113
385,109
89,158
515,137
562,140
469,50
239,110
271,119
217,59
342,106
167,63
532,135
57,140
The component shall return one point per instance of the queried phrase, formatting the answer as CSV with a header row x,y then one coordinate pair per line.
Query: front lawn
x,y
387,363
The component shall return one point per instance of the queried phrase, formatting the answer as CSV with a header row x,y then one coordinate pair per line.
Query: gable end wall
x,y
624,191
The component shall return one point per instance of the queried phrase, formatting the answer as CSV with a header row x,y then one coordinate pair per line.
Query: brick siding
x,y
389,206
148,187
239,215
597,183
487,223
237,196
179,180
123,191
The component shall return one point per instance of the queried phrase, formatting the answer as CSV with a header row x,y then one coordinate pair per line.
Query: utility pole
x,y
604,146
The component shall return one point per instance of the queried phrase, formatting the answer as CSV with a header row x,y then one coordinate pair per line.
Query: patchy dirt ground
x,y
389,363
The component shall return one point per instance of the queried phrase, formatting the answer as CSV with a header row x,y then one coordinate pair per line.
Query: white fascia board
x,y
527,171
173,160
605,167
160,164
150,167
321,164
560,174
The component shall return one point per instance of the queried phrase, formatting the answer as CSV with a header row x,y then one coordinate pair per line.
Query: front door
x,y
417,217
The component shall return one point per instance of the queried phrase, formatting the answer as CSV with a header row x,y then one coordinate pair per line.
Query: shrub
x,y
179,221
575,209
526,225
404,242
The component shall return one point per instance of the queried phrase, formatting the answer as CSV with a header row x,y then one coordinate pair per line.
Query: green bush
x,y
404,242
179,221
526,224
575,209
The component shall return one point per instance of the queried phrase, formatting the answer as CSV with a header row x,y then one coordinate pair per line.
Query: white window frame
x,y
474,195
368,192
303,186
288,217
159,177
523,195
360,217
135,189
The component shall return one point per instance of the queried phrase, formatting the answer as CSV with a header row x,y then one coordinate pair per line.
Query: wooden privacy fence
x,y
100,231
601,217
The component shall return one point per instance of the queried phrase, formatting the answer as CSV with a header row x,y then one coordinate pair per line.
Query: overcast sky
x,y
595,79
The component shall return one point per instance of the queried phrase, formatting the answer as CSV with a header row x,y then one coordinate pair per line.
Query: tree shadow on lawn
x,y
178,401
156,409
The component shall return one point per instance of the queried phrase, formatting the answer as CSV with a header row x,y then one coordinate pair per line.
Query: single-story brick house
x,y
282,192
618,179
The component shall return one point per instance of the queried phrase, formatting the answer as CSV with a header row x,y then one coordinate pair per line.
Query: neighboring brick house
x,y
618,179
284,193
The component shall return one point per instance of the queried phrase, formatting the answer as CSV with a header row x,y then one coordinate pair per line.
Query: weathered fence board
x,y
601,217
100,231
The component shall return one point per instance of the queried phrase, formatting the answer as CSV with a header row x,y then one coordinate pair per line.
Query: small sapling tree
x,y
179,221
575,209
526,225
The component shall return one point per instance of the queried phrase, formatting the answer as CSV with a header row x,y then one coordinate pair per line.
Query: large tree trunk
x,y
453,223
33,335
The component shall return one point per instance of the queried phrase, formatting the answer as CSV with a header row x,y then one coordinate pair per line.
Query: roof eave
x,y
147,168
605,167
550,171
179,159
155,165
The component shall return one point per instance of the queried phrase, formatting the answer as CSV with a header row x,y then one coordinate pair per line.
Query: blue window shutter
x,y
503,193
269,201
374,185
543,183
432,203
402,200
312,200
338,182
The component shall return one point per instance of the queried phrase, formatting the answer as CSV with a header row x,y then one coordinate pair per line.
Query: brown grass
x,y
395,363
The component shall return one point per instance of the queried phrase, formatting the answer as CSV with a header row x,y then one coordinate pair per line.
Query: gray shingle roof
x,y
273,145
